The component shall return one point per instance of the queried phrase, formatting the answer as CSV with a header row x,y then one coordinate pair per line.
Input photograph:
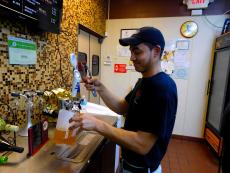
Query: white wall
x,y
192,92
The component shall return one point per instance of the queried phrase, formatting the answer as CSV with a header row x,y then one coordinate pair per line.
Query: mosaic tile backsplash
x,y
52,69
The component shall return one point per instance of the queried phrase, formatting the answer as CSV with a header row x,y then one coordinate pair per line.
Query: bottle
x,y
5,146
8,127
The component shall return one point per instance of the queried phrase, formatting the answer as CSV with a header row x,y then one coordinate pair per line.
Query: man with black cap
x,y
150,108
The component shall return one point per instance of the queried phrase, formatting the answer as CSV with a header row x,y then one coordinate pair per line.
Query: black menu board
x,y
49,15
12,4
30,8
46,13
26,8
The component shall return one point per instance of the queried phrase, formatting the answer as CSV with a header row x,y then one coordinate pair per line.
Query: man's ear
x,y
157,51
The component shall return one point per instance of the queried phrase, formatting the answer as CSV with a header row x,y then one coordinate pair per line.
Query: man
x,y
150,108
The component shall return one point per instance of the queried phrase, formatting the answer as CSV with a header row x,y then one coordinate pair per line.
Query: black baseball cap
x,y
145,34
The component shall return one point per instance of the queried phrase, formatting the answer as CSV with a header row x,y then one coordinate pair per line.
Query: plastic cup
x,y
62,134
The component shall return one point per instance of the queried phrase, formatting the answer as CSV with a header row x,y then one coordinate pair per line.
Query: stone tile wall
x,y
52,69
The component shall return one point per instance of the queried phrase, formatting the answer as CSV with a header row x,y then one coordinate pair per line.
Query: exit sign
x,y
197,4
198,1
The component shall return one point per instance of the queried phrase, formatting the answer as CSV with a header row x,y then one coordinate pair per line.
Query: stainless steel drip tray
x,y
86,144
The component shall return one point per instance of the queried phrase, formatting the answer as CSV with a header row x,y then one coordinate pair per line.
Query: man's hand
x,y
92,83
84,122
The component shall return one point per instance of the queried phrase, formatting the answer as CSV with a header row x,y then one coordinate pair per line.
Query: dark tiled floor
x,y
185,156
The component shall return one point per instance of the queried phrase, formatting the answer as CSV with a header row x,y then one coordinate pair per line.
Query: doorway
x,y
89,49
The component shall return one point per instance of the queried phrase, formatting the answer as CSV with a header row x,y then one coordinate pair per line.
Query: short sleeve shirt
x,y
152,108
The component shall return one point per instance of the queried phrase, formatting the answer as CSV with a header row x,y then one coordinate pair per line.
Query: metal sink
x,y
77,153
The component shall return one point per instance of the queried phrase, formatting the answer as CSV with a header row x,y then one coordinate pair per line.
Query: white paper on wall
x,y
180,59
167,59
123,51
174,60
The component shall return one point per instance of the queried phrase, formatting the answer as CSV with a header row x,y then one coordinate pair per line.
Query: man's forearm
x,y
113,102
139,142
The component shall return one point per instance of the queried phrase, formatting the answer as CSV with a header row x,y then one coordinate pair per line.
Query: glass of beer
x,y
62,134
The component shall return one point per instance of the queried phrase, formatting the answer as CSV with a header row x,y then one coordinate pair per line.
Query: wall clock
x,y
189,29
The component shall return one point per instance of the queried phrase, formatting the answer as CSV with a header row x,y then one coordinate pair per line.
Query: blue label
x,y
77,87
